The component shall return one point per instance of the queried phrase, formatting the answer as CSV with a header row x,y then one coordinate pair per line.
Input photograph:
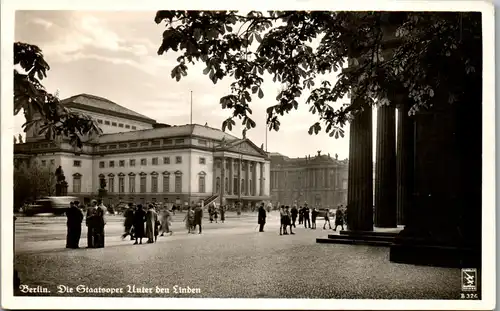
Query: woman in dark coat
x,y
139,219
339,218
261,220
222,213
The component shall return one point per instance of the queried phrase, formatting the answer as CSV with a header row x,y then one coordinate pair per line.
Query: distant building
x,y
320,180
145,161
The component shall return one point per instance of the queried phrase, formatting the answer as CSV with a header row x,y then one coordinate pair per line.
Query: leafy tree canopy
x,y
432,57
31,96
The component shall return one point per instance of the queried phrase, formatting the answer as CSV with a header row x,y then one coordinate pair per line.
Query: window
x,y
217,185
155,161
134,128
132,162
226,185
76,163
77,183
155,143
144,162
179,141
178,182
122,146
111,184
143,184
154,183
112,146
131,183
202,160
106,122
235,185
242,186
120,124
144,143
166,183
103,147
52,162
127,126
99,121
121,163
113,123
121,184
167,141
166,160
202,142
178,160
44,163
133,145
201,184
111,163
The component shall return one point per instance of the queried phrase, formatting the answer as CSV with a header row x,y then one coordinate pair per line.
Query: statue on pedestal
x,y
61,184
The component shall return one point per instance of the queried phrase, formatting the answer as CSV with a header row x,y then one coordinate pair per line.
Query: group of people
x,y
141,223
94,220
214,211
194,218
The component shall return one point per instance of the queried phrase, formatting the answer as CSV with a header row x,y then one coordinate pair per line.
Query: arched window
x,y
242,186
166,181
121,183
131,182
226,185
154,182
143,182
77,183
111,182
217,185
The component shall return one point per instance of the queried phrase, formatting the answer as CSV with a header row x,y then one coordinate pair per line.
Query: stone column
x,y
222,189
239,178
385,170
261,179
230,177
404,162
247,178
360,189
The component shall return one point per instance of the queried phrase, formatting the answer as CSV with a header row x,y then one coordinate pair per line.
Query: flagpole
x,y
191,116
266,133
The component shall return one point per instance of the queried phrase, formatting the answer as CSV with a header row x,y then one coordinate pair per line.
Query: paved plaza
x,y
227,260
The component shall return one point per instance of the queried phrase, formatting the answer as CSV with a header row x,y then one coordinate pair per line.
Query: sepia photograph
x,y
307,156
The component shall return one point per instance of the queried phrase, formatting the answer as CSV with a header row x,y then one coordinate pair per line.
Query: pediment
x,y
246,147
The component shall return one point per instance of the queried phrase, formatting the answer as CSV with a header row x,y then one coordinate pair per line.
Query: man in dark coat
x,y
90,221
198,217
339,218
314,215
74,223
261,217
307,220
129,221
139,219
294,212
99,226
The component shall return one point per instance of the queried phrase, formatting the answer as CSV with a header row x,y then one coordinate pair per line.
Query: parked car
x,y
49,205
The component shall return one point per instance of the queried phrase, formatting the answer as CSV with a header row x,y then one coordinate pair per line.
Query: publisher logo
x,y
469,280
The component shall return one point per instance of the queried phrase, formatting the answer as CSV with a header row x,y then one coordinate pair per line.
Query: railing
x,y
210,200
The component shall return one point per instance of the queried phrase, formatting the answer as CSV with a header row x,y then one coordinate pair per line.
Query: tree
x,y
32,182
31,96
429,51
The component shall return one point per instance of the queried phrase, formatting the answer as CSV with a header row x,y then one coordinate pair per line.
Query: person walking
x,y
222,213
151,221
283,221
211,213
139,218
198,218
166,220
339,218
314,215
74,223
294,212
261,218
90,222
301,215
100,223
189,219
288,219
307,220
129,222
216,213
327,220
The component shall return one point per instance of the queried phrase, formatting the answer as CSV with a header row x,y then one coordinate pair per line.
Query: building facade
x,y
319,180
141,162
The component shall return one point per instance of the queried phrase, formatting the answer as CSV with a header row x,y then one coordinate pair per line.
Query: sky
x,y
113,54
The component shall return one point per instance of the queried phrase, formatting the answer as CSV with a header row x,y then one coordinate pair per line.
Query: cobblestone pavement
x,y
227,260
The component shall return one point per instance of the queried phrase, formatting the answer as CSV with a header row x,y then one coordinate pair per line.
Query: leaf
x,y
255,89
206,70
261,94
258,37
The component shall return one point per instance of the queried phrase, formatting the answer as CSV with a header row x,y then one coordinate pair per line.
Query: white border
x,y
488,229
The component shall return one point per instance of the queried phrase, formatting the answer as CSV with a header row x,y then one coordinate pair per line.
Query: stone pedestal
x,y
404,162
385,170
360,188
